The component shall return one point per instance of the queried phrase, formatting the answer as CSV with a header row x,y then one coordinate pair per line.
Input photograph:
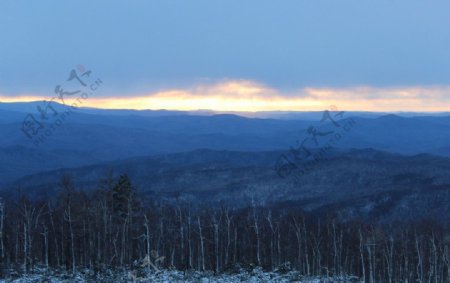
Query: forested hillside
x,y
112,227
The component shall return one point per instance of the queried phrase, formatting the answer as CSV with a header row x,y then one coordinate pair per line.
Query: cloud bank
x,y
251,96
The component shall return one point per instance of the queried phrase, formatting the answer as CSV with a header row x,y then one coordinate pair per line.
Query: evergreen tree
x,y
122,195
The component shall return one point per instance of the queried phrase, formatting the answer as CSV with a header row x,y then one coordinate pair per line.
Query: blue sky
x,y
140,48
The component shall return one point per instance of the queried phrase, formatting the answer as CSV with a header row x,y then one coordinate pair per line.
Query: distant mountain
x,y
9,116
90,136
28,107
355,183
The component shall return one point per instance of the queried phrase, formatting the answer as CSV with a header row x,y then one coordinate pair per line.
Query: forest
x,y
113,227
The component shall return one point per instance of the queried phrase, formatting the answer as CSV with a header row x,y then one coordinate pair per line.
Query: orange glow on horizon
x,y
248,96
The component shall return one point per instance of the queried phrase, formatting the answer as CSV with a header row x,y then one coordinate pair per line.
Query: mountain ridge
x,y
346,182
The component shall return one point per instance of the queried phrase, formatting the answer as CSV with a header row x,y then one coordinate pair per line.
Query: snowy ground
x,y
254,276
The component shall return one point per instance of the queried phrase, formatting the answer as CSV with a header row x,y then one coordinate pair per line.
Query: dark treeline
x,y
112,227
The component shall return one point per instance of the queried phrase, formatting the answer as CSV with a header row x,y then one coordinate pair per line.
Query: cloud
x,y
246,95
373,93
436,98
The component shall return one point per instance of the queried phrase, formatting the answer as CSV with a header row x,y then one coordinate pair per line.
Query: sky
x,y
252,55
